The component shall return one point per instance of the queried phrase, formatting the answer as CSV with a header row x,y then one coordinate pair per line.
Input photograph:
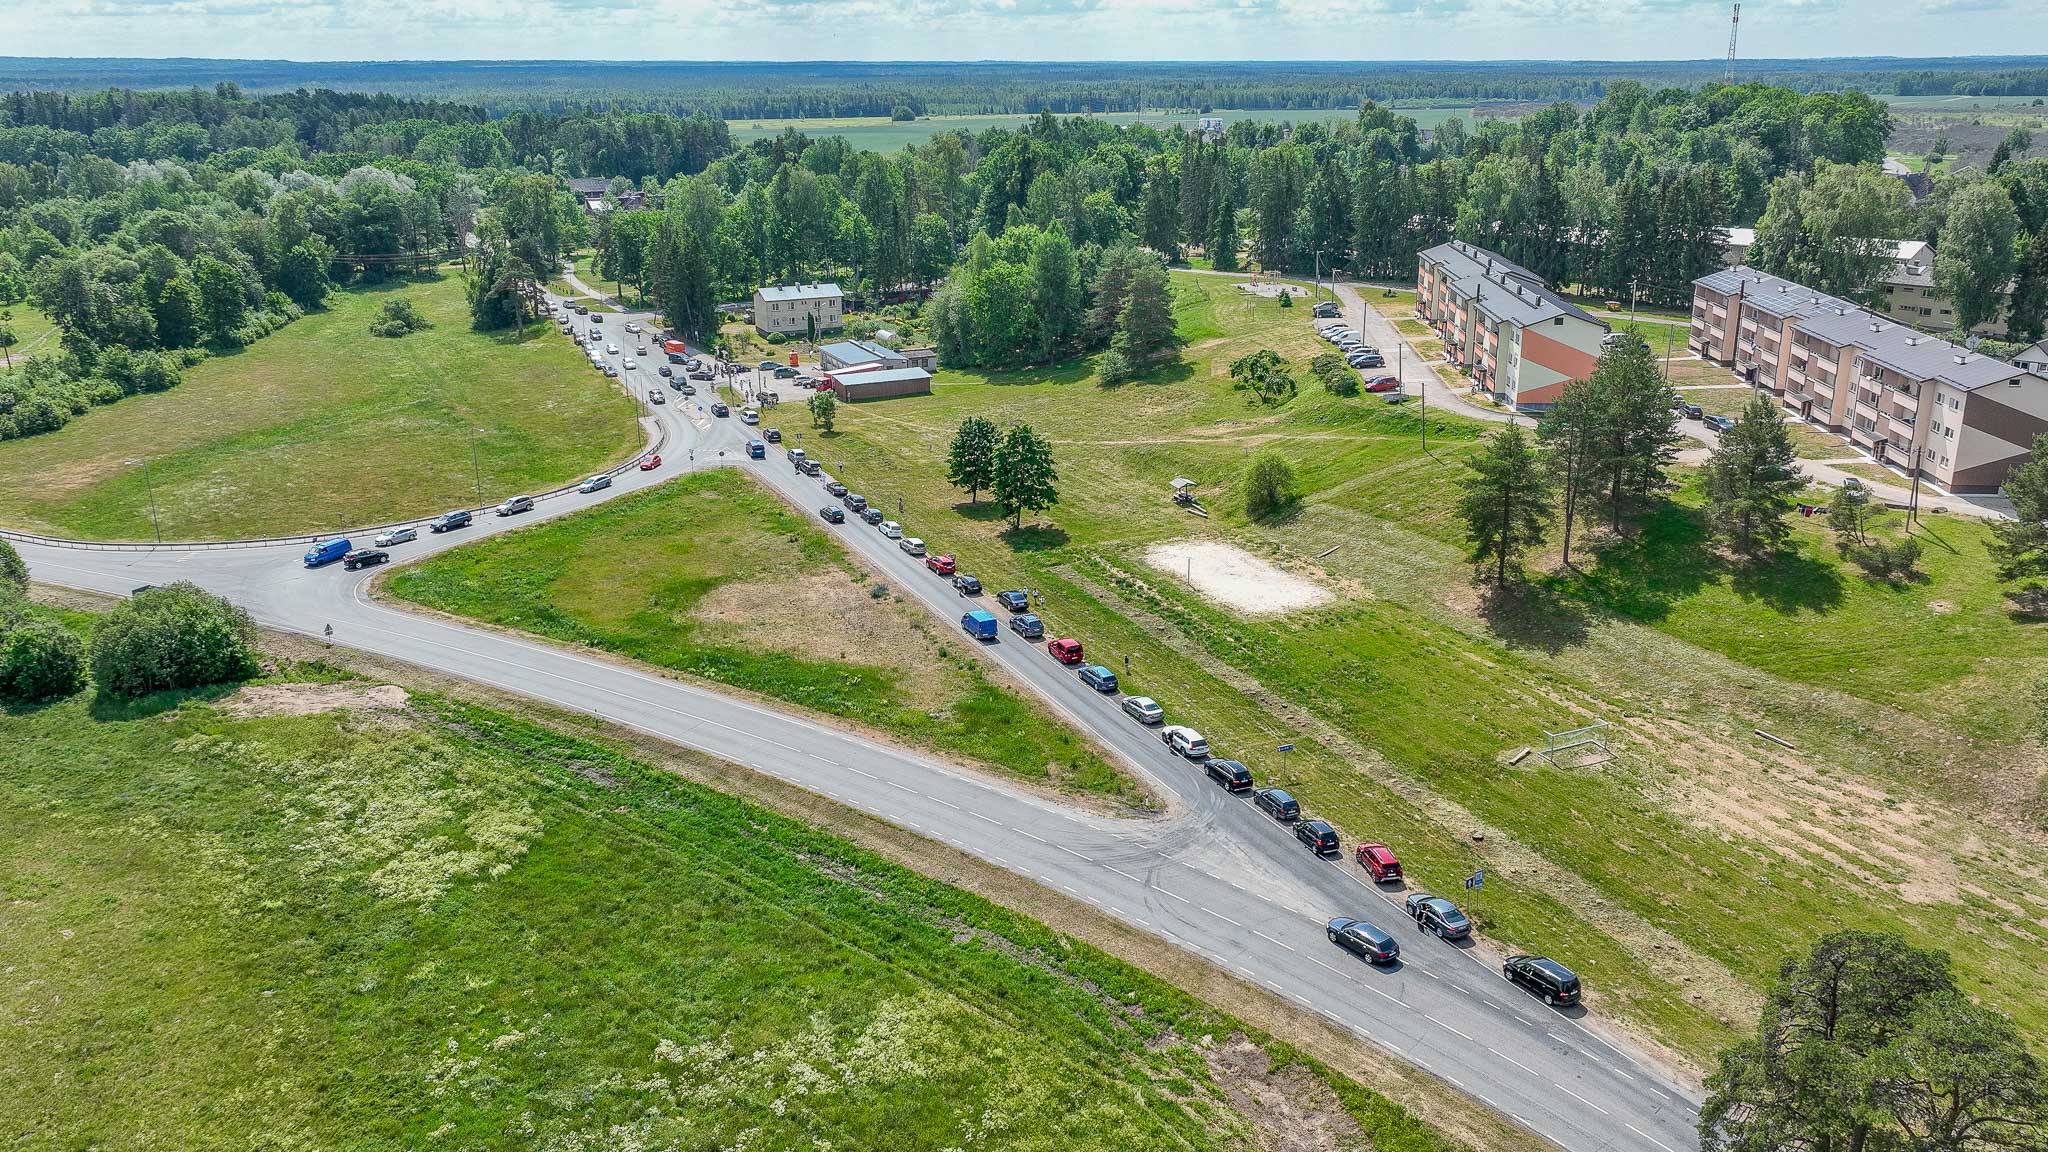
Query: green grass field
x,y
880,134
33,331
713,576
1676,875
444,926
323,424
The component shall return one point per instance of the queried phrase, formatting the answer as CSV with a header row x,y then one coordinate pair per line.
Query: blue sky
x,y
1015,29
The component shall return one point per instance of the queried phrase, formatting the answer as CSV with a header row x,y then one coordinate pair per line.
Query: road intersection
x,y
1212,875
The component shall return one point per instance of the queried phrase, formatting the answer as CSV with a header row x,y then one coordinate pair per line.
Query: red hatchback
x,y
943,565
651,463
1382,384
1064,650
1378,859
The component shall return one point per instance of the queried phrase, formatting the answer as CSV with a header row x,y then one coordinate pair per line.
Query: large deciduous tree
x,y
971,460
1025,479
1973,259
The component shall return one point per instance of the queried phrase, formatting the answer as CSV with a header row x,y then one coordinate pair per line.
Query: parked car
x,y
1438,916
449,520
1379,860
1143,709
665,370
1318,835
872,515
364,558
701,375
912,545
855,502
1185,741
1064,649
1382,383
834,489
767,365
784,372
651,463
1027,626
515,506
1553,983
940,563
611,372
967,585
757,450
774,435
1014,600
979,624
718,408
1717,423
808,467
1327,309
1278,803
882,523
750,416
1364,940
396,536
833,514
1232,774
596,483
1692,411
327,551
1370,360
1099,678
656,396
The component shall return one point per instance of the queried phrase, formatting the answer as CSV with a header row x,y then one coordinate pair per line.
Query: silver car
x,y
594,484
1144,709
396,536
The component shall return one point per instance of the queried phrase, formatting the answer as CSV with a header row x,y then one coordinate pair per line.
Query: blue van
x,y
327,551
757,449
979,624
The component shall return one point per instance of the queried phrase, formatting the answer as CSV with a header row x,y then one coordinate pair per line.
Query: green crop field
x,y
880,134
427,924
1675,875
713,576
323,424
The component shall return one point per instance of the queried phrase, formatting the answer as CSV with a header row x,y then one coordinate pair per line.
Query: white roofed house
x,y
789,308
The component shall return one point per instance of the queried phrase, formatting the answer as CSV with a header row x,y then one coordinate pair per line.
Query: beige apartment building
x,y
1501,325
789,308
1914,401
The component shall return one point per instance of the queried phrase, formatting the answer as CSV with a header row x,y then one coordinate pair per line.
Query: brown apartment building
x,y
1502,326
1915,402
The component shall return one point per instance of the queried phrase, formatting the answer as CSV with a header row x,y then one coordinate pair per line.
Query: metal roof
x,y
881,376
1503,289
799,291
1907,351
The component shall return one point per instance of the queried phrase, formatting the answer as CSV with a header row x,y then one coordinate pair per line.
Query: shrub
x,y
777,338
1286,298
40,659
174,637
1113,367
1337,377
1884,559
1268,483
399,317
13,571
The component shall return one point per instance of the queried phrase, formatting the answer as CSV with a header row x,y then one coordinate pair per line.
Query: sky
x,y
1016,29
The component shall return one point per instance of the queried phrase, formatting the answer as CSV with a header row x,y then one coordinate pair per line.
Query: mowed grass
x,y
713,576
33,331
445,926
322,424
1405,696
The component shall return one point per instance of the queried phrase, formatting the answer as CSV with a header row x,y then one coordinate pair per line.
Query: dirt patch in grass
x,y
1291,1109
829,618
311,699
1235,578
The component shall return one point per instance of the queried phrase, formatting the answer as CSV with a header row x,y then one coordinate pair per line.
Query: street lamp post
x,y
476,467
149,484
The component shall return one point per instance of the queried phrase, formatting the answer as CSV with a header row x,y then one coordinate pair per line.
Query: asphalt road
x,y
1213,875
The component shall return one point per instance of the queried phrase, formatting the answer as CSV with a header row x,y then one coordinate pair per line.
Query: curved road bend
x,y
1214,876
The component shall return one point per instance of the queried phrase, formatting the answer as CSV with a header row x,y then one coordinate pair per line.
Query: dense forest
x,y
152,227
761,90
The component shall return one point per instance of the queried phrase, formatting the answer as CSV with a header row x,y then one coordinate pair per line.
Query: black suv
x,y
1278,802
1233,775
364,557
456,519
1553,982
832,514
835,489
967,585
872,516
718,408
1318,835
855,502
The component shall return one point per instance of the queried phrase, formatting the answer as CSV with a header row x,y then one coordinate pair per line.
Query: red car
x,y
943,565
651,463
1379,860
1383,384
1064,650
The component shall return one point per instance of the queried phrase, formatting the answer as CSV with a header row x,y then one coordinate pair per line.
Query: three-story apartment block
x,y
1501,325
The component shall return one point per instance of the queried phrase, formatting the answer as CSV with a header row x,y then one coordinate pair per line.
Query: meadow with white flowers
x,y
440,926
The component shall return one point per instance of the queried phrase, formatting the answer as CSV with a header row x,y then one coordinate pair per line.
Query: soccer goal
x,y
1577,747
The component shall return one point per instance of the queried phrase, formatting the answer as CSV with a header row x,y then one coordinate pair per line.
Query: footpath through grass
x,y
713,576
1674,877
443,926
324,424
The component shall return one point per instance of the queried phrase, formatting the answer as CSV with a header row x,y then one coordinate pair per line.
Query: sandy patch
x,y
831,618
1234,577
310,699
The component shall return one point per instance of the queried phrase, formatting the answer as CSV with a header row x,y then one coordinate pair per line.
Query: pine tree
x,y
971,461
1145,329
1024,474
1570,430
2020,545
1223,228
1635,429
1751,480
1506,503
1159,218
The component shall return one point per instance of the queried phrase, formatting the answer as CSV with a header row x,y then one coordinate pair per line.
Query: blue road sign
x,y
1476,880
1285,748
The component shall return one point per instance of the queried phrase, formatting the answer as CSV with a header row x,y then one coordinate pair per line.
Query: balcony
x,y
1867,400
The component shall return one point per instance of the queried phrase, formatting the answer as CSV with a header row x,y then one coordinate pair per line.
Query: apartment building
x,y
1503,327
788,308
1914,401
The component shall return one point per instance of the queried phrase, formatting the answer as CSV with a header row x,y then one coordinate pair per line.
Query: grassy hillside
x,y
427,924
324,423
713,576
1676,875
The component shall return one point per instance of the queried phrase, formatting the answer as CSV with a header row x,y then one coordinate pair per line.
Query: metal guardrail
x,y
659,442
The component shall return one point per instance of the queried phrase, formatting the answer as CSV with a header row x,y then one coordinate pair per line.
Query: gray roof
x,y
1504,289
883,376
594,185
799,291
858,351
1907,351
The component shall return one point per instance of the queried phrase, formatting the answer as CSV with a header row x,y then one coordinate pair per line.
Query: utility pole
x,y
476,467
150,485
